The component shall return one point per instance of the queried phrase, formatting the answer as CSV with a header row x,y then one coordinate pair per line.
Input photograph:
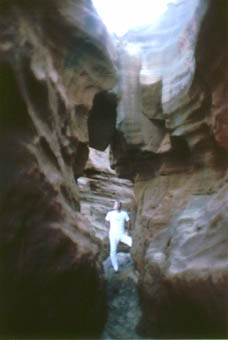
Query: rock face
x,y
99,188
172,142
55,57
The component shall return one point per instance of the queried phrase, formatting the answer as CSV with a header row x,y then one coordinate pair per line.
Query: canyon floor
x,y
123,302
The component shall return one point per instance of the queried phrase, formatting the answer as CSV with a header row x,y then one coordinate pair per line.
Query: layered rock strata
x,y
55,57
174,147
99,187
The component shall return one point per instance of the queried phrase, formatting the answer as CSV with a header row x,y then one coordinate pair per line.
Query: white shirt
x,y
117,221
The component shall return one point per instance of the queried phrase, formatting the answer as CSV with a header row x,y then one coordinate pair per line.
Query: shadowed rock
x,y
52,63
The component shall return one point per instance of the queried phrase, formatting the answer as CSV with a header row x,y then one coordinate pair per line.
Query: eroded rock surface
x,y
167,124
173,145
55,57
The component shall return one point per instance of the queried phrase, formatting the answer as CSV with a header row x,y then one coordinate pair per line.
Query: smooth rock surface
x,y
181,242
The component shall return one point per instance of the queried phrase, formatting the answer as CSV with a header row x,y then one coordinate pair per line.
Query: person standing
x,y
115,221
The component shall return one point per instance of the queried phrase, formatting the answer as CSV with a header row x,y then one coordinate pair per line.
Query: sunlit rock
x,y
174,148
157,69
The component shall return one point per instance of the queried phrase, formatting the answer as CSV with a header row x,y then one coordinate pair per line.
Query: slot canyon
x,y
87,117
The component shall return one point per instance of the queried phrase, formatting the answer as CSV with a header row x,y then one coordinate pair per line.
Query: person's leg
x,y
125,238
114,240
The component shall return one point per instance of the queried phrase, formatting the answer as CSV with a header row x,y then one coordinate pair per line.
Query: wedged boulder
x,y
53,61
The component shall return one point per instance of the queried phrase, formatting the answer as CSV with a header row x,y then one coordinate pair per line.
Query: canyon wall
x,y
55,56
158,97
173,145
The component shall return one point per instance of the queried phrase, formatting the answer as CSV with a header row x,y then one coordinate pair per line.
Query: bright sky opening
x,y
120,16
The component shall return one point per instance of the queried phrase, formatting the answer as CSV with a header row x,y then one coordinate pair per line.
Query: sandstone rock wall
x,y
54,57
157,67
59,95
179,167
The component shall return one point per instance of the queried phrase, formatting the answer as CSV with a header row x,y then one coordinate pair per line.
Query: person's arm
x,y
107,223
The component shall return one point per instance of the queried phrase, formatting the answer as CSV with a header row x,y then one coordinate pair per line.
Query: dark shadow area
x,y
13,111
182,318
38,95
46,292
181,151
102,120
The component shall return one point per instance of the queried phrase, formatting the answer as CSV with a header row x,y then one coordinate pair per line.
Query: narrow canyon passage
x,y
99,188
124,311
88,117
